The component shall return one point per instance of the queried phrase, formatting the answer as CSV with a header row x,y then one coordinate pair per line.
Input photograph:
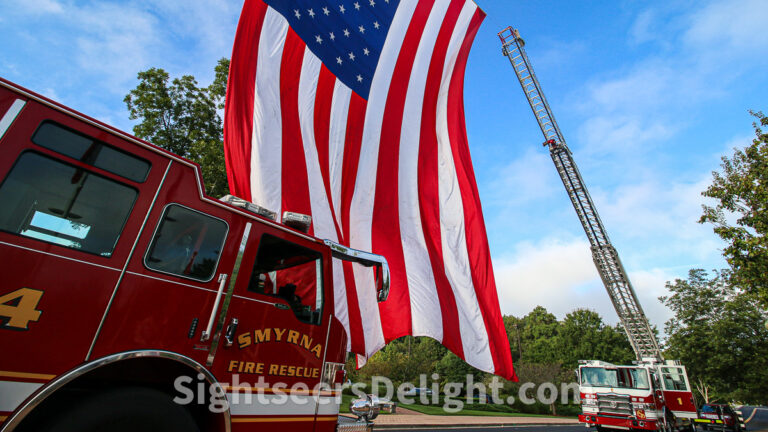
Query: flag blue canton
x,y
347,36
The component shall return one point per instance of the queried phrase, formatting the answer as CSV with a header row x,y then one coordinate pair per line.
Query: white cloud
x,y
92,50
210,23
115,41
526,178
37,7
642,29
661,221
552,273
728,28
50,93
561,277
649,285
607,134
698,58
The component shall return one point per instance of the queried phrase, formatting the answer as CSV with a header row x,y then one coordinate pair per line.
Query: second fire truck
x,y
652,394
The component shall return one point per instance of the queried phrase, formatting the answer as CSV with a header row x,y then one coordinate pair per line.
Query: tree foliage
x,y
182,117
539,338
719,334
740,216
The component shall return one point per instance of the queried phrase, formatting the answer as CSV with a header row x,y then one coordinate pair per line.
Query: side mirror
x,y
378,262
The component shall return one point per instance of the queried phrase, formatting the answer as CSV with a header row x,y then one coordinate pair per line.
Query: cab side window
x,y
291,273
90,151
55,202
187,243
673,379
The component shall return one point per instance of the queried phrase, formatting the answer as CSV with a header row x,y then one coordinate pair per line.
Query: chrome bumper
x,y
347,424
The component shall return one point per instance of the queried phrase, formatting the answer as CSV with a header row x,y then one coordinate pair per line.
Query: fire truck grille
x,y
614,404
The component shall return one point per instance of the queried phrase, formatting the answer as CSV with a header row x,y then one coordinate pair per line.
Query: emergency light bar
x,y
251,207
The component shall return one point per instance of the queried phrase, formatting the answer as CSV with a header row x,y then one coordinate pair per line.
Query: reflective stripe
x,y
13,393
10,116
10,374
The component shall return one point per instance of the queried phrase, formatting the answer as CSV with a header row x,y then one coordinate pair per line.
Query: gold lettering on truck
x,y
293,337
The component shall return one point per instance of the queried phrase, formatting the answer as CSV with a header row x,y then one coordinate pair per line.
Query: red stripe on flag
x,y
477,240
322,121
352,143
429,195
294,165
385,230
238,121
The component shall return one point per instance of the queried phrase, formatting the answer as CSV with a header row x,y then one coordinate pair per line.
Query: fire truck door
x,y
272,351
677,391
183,260
72,200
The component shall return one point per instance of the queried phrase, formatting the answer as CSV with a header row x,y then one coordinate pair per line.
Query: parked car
x,y
718,417
418,391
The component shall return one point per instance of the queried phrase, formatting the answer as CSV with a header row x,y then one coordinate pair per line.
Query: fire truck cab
x,y
649,395
130,300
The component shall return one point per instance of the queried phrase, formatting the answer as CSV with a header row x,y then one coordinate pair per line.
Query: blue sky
x,y
649,96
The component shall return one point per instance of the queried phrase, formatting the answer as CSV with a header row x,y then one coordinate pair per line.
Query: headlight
x,y
365,409
591,402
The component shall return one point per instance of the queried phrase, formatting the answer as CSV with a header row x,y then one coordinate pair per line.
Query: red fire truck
x,y
645,396
654,393
130,300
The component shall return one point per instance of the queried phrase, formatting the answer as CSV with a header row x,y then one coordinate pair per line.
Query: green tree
x,y
403,360
182,117
452,369
719,334
538,337
584,336
741,191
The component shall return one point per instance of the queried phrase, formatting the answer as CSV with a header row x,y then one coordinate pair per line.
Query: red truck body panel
x,y
63,307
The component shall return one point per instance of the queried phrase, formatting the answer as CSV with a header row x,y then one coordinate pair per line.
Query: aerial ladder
x,y
653,394
604,254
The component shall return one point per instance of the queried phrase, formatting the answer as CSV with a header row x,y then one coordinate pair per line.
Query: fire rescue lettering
x,y
279,335
273,369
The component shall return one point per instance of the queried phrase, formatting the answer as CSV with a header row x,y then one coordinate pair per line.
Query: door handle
x,y
229,335
207,332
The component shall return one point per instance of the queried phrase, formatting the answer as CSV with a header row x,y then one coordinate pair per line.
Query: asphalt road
x,y
758,423
522,428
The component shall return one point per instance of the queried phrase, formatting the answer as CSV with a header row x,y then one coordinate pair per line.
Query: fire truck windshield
x,y
632,378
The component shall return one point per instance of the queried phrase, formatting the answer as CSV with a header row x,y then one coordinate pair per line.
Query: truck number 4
x,y
17,308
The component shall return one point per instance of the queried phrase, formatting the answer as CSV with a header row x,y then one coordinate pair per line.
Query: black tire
x,y
126,409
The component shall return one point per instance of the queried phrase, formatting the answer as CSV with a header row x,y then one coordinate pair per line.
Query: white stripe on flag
x,y
337,133
322,220
267,143
361,209
425,301
474,335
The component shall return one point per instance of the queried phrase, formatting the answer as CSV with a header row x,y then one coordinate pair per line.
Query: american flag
x,y
352,111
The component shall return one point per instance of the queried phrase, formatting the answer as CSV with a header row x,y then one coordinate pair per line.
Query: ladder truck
x,y
653,393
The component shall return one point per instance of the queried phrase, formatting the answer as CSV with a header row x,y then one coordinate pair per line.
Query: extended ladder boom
x,y
603,253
